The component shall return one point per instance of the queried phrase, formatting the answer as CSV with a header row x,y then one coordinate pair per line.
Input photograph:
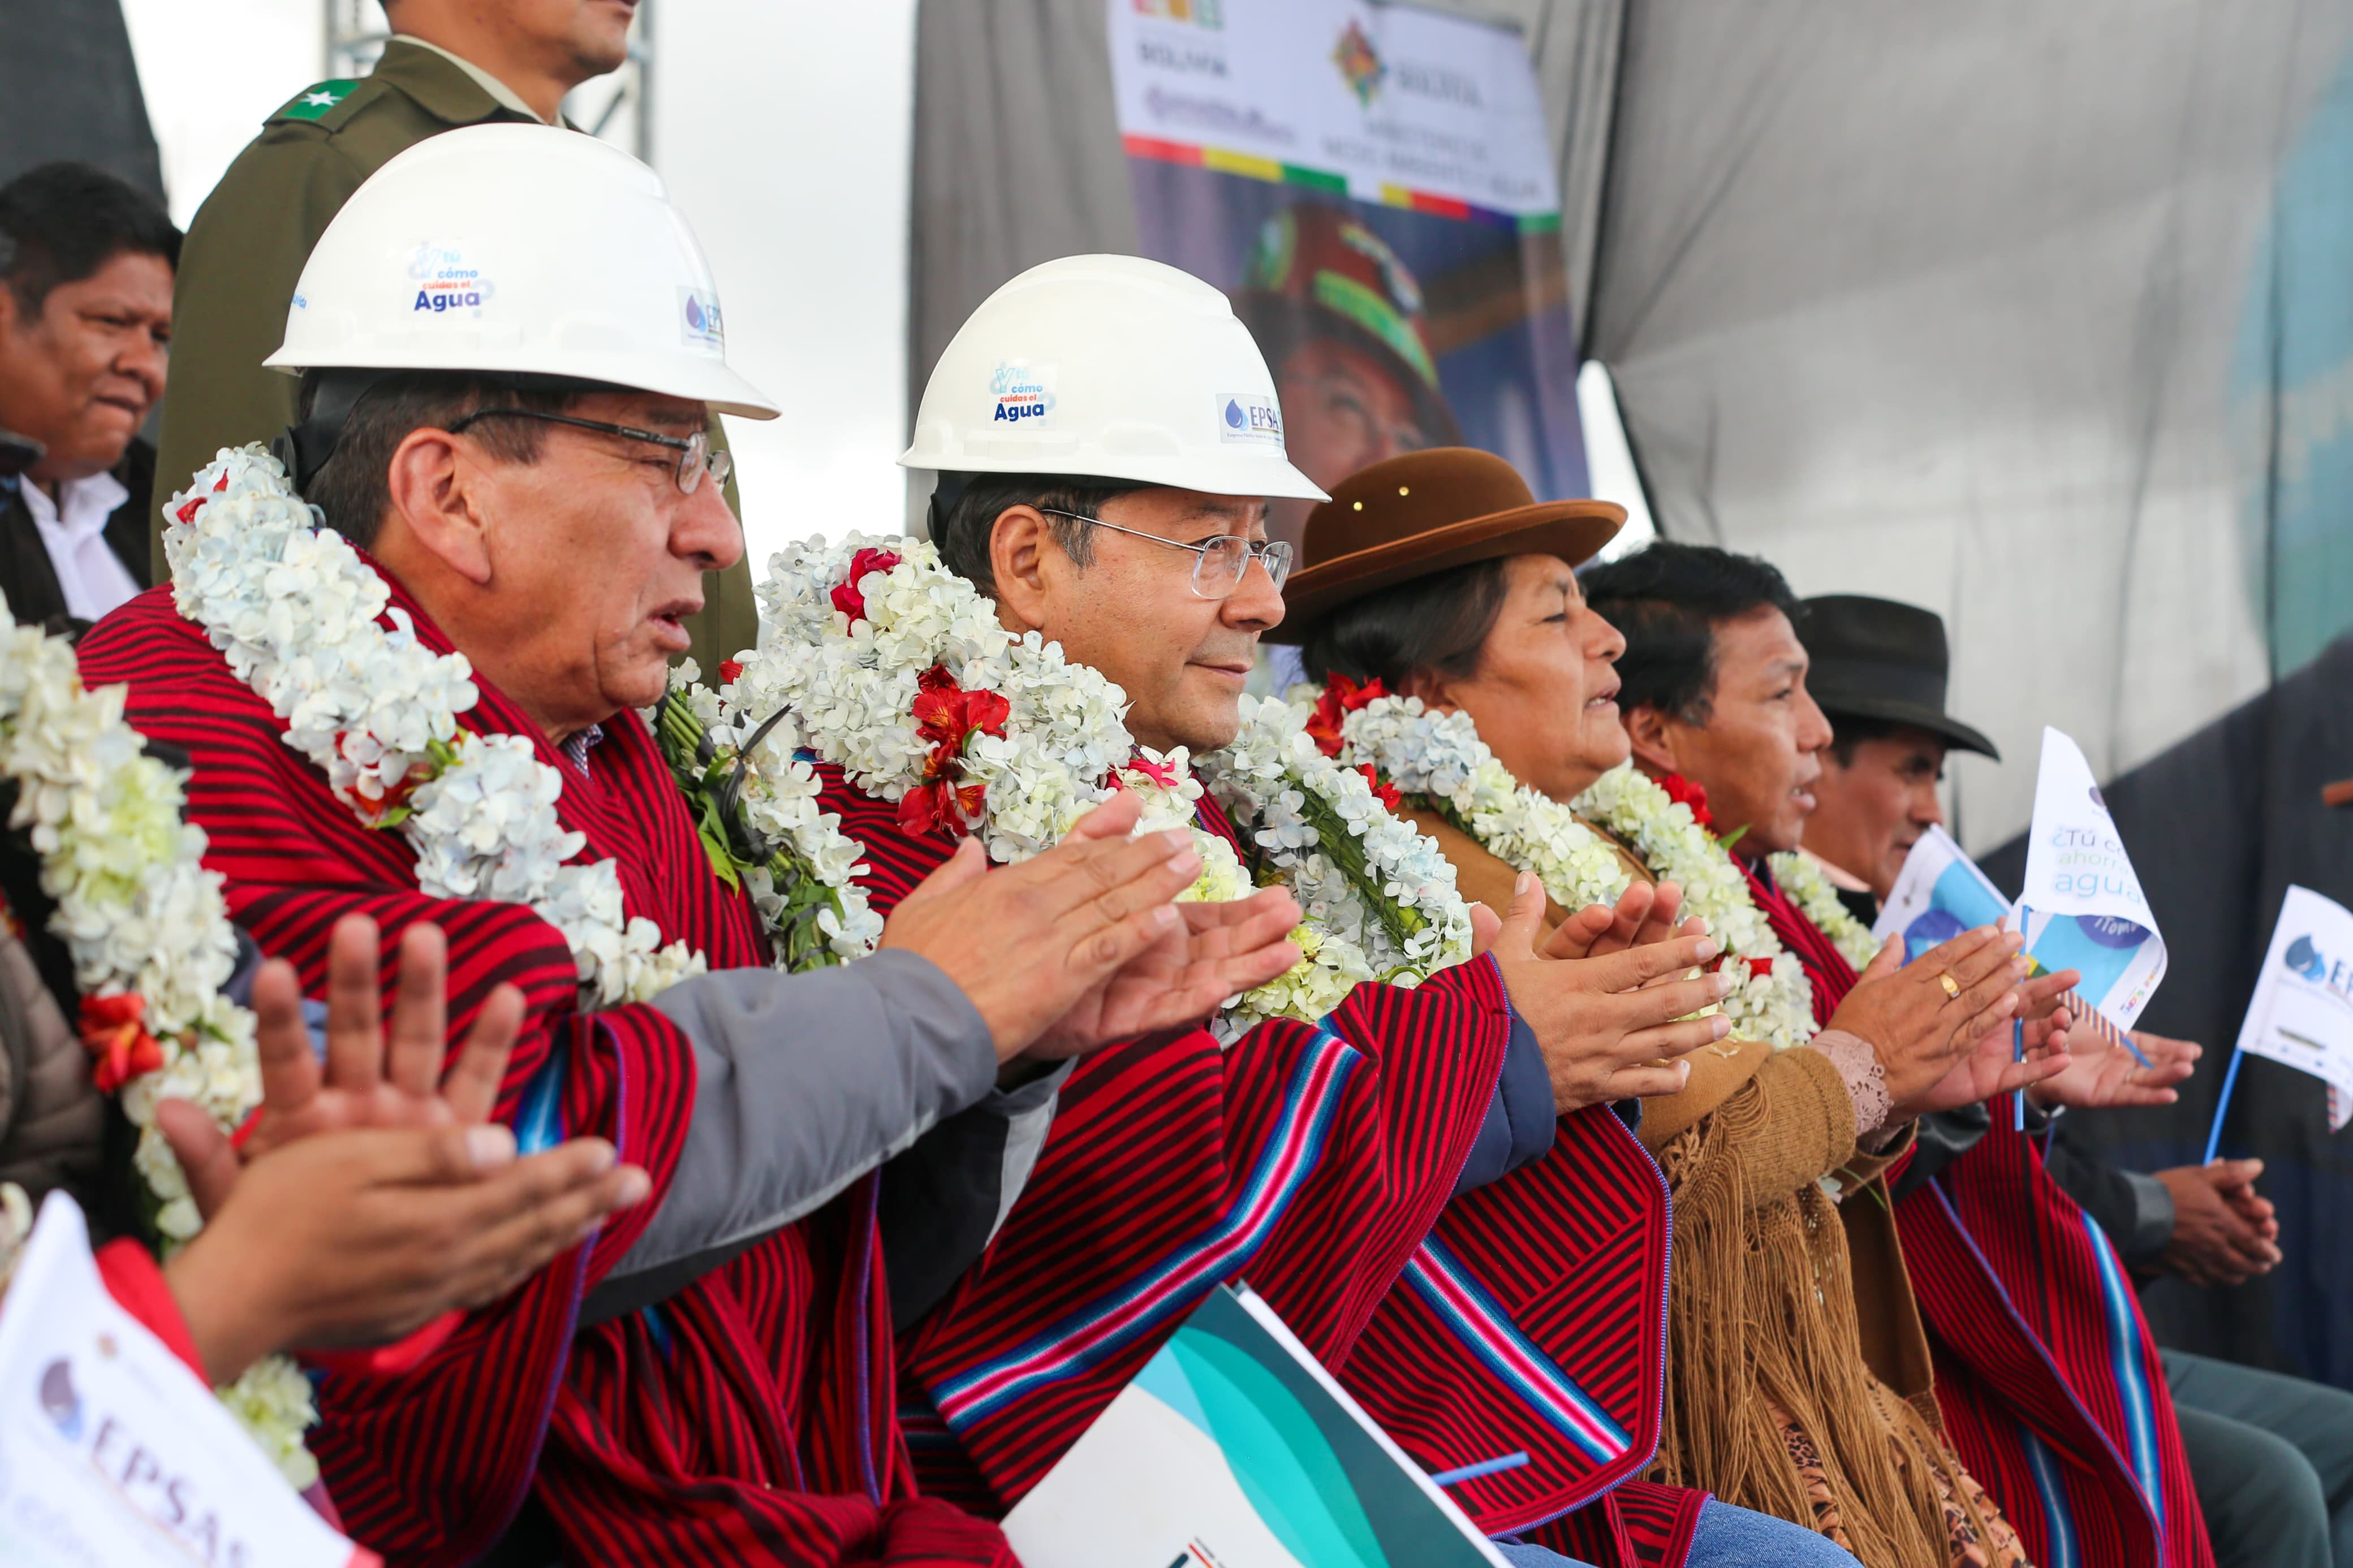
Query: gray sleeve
x,y
804,1083
944,1200
2153,1218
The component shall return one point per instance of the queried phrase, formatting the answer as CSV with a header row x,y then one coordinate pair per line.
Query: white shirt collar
x,y
81,509
508,98
73,532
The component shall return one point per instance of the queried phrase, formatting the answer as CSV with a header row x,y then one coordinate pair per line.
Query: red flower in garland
x,y
846,596
1341,698
114,1030
1386,794
1682,789
1163,773
730,669
948,716
194,504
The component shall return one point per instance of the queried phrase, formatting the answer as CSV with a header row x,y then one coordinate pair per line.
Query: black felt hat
x,y
1874,659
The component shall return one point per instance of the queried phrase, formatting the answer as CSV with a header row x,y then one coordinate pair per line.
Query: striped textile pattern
x,y
1309,1161
2034,1330
1480,1321
752,1419
1565,1262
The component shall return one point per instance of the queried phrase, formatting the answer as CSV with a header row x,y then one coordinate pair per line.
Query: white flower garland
x,y
147,931
857,636
1440,756
1801,878
1777,1003
780,798
294,610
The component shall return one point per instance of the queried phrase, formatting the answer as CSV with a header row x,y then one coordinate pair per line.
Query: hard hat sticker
x,y
1022,391
445,279
698,322
1249,417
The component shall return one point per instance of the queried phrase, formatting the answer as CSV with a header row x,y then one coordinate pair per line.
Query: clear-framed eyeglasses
x,y
1218,563
695,458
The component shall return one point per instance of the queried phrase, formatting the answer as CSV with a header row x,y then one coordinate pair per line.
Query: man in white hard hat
x,y
1107,437
510,347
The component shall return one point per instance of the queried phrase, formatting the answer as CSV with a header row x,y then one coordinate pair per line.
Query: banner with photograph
x,y
1373,184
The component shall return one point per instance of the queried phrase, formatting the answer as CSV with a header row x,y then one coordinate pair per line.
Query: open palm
x,y
2104,1073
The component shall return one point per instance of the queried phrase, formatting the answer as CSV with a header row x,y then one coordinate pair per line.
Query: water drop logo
x,y
59,1403
2305,960
1235,419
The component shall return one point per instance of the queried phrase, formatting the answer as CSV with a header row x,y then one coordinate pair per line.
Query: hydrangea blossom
x,y
299,615
1801,878
1440,757
1775,1002
843,659
140,918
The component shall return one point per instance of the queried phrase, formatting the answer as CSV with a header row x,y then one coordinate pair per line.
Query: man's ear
x,y
1654,736
1019,544
433,497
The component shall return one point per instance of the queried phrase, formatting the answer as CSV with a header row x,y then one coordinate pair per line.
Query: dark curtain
x,y
68,89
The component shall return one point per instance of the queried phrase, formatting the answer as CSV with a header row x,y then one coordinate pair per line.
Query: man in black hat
x,y
2271,1457
1879,672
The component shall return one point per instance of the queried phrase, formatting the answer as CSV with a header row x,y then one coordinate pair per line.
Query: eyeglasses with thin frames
x,y
1218,563
695,458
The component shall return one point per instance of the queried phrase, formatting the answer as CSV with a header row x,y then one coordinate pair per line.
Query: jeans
x,y
2271,1458
1727,1537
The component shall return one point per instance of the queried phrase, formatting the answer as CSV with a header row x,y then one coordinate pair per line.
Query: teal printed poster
x,y
1233,1448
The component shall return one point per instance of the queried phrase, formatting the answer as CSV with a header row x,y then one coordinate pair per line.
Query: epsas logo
x,y
444,281
1022,391
1249,417
698,322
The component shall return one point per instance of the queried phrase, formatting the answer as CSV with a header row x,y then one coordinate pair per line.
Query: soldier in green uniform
x,y
449,64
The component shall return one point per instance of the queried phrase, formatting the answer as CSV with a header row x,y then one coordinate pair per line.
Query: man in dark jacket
x,y
85,338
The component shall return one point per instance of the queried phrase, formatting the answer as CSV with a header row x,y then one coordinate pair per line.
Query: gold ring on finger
x,y
1952,987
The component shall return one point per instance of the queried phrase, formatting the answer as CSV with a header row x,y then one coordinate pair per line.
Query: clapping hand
x,y
1610,1028
379,1200
1927,1019
363,1083
1643,914
1084,944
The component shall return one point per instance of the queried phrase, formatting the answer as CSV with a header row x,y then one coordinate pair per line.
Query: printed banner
x,y
2082,907
112,1451
2302,1011
1373,184
1234,1448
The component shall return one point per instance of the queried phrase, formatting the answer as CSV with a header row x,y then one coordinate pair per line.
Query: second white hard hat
x,y
517,249
1108,366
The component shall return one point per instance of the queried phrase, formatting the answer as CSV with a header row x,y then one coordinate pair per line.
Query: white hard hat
x,y
1108,366
516,249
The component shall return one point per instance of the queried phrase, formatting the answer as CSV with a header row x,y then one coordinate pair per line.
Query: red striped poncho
x,y
2048,1381
748,1419
1533,1321
1310,1162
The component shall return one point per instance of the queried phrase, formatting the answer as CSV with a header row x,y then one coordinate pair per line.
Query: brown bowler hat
x,y
1424,511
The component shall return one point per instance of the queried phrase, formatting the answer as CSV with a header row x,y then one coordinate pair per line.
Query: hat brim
x,y
1893,710
1571,530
